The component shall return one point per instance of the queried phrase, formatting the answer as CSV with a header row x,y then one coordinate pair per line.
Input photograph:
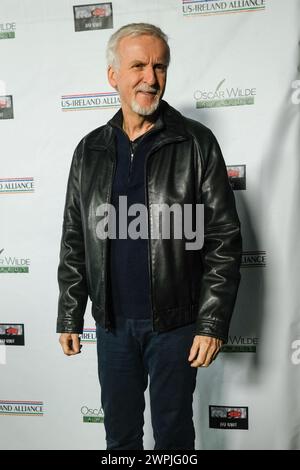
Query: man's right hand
x,y
70,343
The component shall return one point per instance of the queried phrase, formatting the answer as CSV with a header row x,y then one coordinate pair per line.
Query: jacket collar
x,y
170,122
117,120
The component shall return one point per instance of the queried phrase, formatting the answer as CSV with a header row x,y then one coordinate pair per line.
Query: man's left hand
x,y
204,350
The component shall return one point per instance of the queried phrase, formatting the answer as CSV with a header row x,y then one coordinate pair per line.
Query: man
x,y
161,310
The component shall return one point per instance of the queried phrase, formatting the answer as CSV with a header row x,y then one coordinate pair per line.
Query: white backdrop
x,y
250,49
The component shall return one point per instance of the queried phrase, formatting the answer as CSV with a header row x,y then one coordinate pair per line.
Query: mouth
x,y
148,92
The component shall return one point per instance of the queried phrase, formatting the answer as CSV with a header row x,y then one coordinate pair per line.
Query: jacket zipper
x,y
131,160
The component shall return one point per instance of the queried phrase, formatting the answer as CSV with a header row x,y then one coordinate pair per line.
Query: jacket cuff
x,y
69,327
216,329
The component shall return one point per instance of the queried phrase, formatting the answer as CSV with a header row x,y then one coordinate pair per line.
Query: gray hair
x,y
133,29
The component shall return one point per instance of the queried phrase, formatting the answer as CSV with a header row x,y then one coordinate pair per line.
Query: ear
x,y
112,77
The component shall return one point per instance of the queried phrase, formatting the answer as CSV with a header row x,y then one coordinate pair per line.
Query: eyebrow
x,y
139,61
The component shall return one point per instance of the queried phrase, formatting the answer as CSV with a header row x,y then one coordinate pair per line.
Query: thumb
x,y
75,343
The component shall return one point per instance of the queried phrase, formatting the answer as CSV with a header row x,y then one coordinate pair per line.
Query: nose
x,y
149,75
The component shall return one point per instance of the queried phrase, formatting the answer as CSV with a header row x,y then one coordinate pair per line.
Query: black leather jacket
x,y
185,166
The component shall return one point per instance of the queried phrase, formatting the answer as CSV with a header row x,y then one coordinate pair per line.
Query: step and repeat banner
x,y
235,68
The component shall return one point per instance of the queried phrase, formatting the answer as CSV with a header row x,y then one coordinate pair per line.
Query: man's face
x,y
140,77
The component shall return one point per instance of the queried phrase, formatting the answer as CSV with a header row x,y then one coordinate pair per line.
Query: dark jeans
x,y
126,356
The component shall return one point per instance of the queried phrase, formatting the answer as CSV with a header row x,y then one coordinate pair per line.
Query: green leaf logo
x,y
220,84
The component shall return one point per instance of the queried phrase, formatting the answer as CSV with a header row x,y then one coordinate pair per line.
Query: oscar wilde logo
x,y
7,30
13,265
240,344
224,96
90,415
211,7
21,408
90,101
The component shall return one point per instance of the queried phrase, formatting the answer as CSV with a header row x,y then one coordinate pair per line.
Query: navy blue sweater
x,y
129,271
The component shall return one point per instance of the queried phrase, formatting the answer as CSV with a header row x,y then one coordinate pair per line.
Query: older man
x,y
161,309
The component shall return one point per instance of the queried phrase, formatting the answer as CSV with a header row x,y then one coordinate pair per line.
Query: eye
x,y
161,67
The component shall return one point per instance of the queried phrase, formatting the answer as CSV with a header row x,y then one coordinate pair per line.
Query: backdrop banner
x,y
235,68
